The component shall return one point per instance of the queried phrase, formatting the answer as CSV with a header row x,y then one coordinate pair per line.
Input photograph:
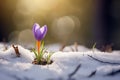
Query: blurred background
x,y
83,21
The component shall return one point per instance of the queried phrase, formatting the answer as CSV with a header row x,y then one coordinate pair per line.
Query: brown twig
x,y
109,74
74,72
92,73
16,50
114,72
62,47
4,43
76,46
102,61
72,49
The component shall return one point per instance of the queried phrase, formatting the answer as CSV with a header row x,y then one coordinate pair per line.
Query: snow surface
x,y
64,63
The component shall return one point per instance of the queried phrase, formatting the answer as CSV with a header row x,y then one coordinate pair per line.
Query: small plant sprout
x,y
39,34
48,57
93,47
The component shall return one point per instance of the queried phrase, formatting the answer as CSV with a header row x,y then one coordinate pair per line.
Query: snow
x,y
104,70
80,48
94,65
54,48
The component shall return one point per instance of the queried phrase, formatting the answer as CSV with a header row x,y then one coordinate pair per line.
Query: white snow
x,y
104,70
54,48
72,47
64,63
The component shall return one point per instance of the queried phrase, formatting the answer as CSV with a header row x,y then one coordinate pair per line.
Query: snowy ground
x,y
85,64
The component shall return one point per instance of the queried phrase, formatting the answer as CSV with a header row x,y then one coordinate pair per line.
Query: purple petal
x,y
35,27
39,33
43,30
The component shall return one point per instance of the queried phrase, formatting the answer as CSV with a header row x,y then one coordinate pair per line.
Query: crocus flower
x,y
39,33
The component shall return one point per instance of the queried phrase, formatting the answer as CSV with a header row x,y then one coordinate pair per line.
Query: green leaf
x,y
34,51
40,55
42,45
49,56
